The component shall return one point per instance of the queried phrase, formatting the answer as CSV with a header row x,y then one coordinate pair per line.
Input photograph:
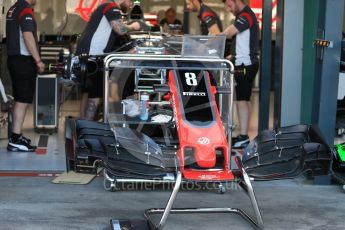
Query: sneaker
x,y
22,144
241,141
26,139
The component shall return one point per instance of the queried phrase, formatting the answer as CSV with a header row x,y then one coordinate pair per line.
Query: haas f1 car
x,y
190,106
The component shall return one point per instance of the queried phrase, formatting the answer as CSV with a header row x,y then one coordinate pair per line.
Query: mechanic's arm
x,y
214,30
30,43
121,28
230,31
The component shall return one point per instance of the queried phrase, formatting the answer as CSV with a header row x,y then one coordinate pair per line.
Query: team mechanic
x,y
104,27
245,55
210,23
23,63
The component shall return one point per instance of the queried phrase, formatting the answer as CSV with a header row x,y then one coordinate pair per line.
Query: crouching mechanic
x,y
23,64
104,27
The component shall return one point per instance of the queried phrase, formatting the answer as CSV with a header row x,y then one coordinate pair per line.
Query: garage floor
x,y
52,160
35,203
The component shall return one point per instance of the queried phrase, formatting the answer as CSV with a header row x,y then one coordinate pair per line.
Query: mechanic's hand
x,y
135,25
144,26
40,67
139,25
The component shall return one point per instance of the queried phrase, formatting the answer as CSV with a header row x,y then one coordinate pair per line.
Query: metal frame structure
x,y
134,61
109,62
242,179
239,175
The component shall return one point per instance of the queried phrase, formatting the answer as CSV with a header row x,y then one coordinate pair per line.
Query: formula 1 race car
x,y
187,135
194,89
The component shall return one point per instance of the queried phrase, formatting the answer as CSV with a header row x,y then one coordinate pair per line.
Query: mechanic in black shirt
x,y
23,64
245,56
210,23
102,30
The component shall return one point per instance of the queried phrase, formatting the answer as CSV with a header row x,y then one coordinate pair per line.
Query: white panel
x,y
292,62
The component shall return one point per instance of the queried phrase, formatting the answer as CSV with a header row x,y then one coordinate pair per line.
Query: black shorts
x,y
23,72
94,85
244,81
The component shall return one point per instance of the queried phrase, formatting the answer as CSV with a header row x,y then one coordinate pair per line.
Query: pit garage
x,y
159,152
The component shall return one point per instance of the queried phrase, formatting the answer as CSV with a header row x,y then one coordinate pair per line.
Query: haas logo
x,y
203,140
86,11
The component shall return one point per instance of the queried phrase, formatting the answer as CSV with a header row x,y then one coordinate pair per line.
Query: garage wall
x,y
59,16
5,5
159,6
56,10
53,17
1,19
